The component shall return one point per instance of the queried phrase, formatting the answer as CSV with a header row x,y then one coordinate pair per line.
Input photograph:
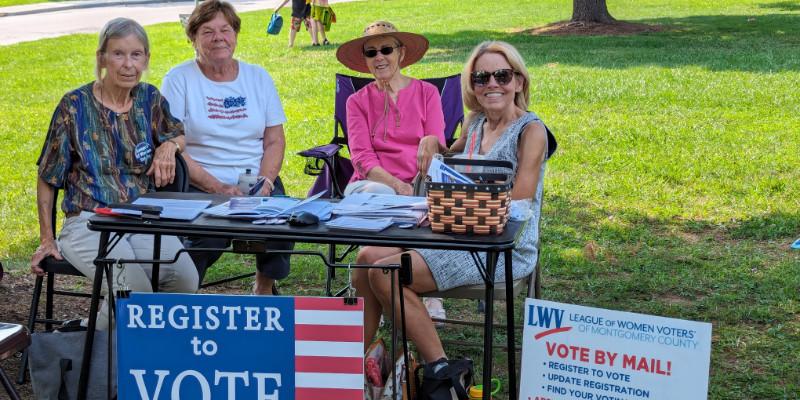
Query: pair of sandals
x,y
324,43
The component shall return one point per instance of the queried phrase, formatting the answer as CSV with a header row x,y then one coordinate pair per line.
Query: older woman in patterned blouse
x,y
110,141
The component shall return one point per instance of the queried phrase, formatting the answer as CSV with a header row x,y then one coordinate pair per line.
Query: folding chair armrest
x,y
61,267
324,151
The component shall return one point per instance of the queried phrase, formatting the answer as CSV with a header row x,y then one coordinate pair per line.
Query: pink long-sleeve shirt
x,y
391,141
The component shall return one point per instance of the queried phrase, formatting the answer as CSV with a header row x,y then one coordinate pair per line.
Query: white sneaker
x,y
435,309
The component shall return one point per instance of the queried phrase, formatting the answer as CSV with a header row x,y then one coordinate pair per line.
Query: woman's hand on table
x,y
403,189
266,188
230,190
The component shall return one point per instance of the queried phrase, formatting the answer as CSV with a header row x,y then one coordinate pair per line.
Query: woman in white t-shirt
x,y
234,122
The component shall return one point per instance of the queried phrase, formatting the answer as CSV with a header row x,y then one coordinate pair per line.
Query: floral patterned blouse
x,y
99,156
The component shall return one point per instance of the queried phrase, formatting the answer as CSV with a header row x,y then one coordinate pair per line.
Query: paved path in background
x,y
45,20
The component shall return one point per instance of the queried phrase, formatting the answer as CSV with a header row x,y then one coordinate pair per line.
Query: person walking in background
x,y
321,20
301,15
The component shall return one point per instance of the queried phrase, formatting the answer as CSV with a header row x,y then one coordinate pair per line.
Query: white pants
x,y
367,186
79,246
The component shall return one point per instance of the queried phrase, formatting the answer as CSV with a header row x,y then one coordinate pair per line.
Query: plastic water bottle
x,y
247,180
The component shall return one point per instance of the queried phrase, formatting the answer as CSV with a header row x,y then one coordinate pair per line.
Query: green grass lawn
x,y
674,191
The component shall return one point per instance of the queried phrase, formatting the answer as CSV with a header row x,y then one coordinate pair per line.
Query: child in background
x,y
301,14
321,18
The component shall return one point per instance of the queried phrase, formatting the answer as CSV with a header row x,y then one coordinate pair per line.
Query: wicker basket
x,y
480,208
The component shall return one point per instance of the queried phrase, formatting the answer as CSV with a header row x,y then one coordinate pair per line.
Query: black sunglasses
x,y
384,50
502,76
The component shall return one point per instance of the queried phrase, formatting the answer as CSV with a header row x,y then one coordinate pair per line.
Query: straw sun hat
x,y
351,53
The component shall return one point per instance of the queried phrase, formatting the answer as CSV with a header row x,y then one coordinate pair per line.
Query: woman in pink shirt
x,y
387,118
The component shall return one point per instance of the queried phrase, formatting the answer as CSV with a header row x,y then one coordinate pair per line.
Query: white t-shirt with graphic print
x,y
224,121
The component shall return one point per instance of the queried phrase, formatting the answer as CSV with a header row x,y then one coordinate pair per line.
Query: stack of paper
x,y
184,210
400,209
442,173
360,224
252,208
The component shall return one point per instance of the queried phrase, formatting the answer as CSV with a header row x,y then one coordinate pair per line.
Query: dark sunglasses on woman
x,y
502,76
384,50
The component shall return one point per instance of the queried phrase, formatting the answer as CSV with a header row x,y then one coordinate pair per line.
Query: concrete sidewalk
x,y
52,19
47,7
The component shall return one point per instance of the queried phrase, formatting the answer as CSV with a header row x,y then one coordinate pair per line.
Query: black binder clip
x,y
124,291
349,298
350,301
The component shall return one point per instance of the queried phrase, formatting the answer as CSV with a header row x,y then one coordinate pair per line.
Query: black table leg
x,y
488,339
392,281
154,273
405,278
510,322
331,273
88,344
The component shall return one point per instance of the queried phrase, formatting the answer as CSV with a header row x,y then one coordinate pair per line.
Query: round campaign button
x,y
143,152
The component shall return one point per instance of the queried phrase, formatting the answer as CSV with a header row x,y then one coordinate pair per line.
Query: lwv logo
x,y
548,318
544,317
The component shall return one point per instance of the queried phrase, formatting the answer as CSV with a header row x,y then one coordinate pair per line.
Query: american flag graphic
x,y
329,349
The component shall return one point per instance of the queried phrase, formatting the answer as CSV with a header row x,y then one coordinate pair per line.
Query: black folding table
x,y
251,235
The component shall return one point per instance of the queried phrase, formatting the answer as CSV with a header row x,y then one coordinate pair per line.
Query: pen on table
x,y
105,211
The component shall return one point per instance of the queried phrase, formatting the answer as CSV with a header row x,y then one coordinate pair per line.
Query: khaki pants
x,y
79,246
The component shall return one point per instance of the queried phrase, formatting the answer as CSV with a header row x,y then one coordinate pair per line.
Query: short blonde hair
x,y
514,59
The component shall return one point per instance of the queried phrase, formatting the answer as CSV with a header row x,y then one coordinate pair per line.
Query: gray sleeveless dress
x,y
451,268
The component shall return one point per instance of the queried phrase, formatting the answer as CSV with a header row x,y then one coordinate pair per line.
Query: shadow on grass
x,y
763,43
688,269
602,257
782,6
771,226
726,274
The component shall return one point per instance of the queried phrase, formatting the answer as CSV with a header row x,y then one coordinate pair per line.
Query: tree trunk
x,y
591,11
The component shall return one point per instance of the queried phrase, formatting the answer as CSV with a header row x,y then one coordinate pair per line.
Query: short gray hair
x,y
115,29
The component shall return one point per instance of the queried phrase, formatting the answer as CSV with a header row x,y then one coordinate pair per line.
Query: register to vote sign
x,y
200,347
575,352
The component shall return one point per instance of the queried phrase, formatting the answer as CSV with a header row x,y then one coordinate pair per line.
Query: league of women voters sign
x,y
201,347
575,352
